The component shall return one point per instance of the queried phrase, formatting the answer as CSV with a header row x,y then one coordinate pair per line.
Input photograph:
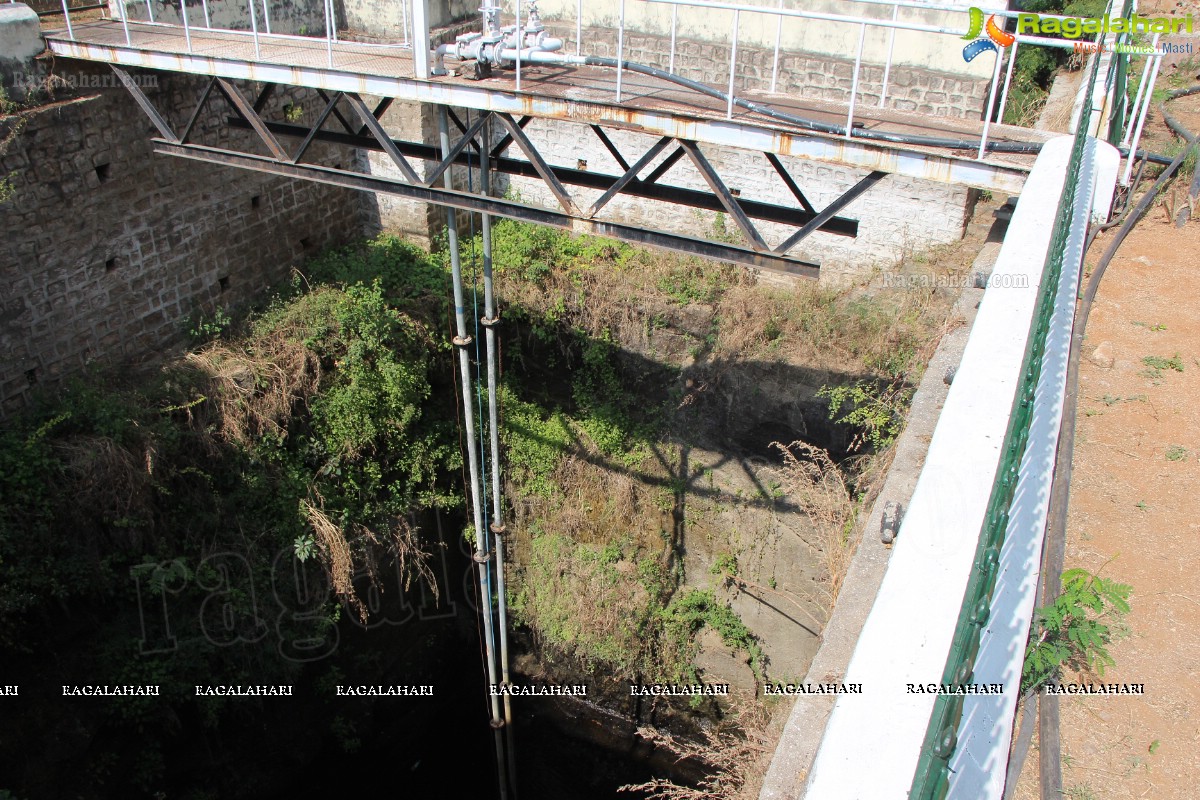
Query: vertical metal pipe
x,y
254,27
149,11
1137,98
266,18
125,19
207,22
578,27
329,32
674,27
862,38
464,365
420,39
403,21
67,14
620,49
187,31
520,44
491,318
1141,120
1012,60
737,18
775,58
990,107
887,64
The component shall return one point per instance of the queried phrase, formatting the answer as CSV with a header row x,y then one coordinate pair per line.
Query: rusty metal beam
x,y
330,106
630,174
749,133
610,147
531,152
791,184
145,103
723,194
247,112
380,135
645,188
187,131
468,137
837,205
491,205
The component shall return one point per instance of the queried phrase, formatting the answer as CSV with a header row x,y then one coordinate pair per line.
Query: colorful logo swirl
x,y
996,35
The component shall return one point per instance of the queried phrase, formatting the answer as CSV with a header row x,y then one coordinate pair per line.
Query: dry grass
x,y
344,556
728,752
257,391
814,482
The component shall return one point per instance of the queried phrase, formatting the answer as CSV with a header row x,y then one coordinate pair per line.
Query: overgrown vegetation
x,y
1075,630
300,447
1034,71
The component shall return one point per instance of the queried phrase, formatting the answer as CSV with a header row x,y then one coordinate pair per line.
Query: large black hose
x,y
832,128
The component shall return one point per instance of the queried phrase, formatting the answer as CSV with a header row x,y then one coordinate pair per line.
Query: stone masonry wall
x,y
108,248
808,74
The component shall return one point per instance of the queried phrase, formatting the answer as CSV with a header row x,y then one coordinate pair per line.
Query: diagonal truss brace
x,y
373,136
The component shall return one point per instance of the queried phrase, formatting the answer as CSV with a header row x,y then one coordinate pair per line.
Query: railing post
x,y
1012,60
990,107
403,21
674,25
122,4
1137,98
620,50
254,27
149,11
187,30
775,58
1141,120
862,38
67,14
207,22
266,18
887,64
329,32
737,17
579,28
520,42
420,39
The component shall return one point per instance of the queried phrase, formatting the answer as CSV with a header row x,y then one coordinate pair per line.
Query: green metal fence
x,y
931,781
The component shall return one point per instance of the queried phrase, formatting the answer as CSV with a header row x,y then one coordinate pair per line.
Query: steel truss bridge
x,y
885,746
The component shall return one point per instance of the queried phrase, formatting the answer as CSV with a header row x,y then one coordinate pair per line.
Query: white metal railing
x,y
415,28
259,19
892,24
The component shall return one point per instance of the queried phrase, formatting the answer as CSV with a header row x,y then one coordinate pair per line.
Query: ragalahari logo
x,y
981,44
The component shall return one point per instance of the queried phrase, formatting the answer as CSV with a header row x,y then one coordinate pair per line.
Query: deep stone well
x,y
108,248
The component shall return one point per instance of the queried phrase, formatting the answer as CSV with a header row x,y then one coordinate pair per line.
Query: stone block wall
x,y
811,75
108,249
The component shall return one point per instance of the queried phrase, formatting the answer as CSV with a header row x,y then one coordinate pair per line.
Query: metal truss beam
x,y
745,134
646,188
490,205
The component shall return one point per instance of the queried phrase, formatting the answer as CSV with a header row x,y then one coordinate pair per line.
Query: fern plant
x,y
1074,630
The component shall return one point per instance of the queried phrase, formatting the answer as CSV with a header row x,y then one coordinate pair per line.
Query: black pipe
x,y
840,130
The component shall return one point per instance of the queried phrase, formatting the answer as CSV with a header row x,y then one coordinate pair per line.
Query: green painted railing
x,y
931,781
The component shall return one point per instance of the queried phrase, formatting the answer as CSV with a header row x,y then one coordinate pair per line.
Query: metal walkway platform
x,y
578,94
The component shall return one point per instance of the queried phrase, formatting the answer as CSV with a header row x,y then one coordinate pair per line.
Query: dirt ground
x,y
1134,514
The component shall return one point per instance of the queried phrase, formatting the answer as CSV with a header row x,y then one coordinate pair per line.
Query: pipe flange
x,y
462,341
499,530
481,558
490,322
497,724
